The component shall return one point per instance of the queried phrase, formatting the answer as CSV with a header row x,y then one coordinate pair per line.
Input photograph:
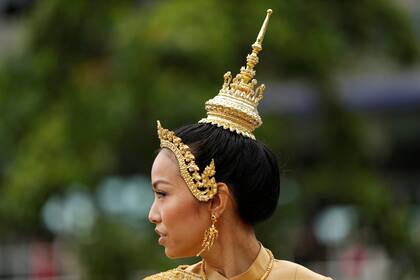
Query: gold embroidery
x,y
174,274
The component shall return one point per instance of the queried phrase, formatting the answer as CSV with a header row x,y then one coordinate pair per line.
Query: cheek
x,y
185,223
179,214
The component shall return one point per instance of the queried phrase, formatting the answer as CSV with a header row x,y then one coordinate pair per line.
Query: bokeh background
x,y
83,82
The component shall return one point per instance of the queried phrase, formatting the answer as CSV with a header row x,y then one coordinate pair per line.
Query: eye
x,y
160,194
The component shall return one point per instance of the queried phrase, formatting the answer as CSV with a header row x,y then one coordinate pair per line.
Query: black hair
x,y
246,166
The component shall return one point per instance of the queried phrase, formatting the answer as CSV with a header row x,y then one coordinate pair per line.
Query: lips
x,y
162,236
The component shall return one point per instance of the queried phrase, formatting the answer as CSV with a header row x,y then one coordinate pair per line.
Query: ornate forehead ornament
x,y
202,185
235,106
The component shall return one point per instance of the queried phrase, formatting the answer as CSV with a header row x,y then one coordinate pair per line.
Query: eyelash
x,y
160,194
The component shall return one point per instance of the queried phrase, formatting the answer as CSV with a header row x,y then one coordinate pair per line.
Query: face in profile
x,y
180,218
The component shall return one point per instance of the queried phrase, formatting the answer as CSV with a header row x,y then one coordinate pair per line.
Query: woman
x,y
213,182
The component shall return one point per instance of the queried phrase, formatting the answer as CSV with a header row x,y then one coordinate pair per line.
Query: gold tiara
x,y
235,106
202,185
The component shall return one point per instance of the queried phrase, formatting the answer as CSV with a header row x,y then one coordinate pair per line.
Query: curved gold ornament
x,y
210,235
203,186
235,106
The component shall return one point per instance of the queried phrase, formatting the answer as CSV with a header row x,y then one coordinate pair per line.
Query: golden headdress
x,y
233,108
202,186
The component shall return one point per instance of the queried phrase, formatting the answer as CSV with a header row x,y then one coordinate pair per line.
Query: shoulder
x,y
290,270
182,272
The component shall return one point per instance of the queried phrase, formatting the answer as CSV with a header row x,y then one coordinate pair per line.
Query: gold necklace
x,y
265,275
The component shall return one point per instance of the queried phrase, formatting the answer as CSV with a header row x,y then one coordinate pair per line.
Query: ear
x,y
220,200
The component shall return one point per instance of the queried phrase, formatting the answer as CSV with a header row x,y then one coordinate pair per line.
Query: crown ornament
x,y
235,106
202,185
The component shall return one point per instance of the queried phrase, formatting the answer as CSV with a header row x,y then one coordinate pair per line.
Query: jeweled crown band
x,y
202,185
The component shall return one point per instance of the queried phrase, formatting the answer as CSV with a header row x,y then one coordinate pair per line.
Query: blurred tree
x,y
82,99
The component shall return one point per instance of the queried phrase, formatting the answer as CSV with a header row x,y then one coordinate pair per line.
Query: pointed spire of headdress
x,y
235,106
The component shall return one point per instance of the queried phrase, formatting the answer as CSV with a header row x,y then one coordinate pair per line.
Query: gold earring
x,y
209,236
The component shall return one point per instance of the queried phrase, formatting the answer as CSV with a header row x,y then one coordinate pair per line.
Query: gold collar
x,y
259,269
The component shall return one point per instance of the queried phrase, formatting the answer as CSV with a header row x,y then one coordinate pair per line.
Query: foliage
x,y
81,101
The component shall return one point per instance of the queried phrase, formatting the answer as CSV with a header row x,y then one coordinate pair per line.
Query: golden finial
x,y
260,37
235,106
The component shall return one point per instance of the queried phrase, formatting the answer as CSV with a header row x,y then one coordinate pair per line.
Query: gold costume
x,y
281,270
234,108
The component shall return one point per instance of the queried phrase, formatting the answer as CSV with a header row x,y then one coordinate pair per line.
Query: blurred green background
x,y
82,84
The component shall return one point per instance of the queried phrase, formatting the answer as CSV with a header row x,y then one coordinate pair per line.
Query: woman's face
x,y
180,218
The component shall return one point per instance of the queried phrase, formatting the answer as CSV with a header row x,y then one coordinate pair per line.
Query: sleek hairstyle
x,y
245,165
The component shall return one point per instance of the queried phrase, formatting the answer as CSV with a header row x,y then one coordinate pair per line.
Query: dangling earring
x,y
209,236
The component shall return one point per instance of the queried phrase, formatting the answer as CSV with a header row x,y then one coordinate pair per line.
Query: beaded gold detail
x,y
174,274
203,186
235,106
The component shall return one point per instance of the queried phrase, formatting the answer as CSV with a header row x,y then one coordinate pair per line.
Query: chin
x,y
172,254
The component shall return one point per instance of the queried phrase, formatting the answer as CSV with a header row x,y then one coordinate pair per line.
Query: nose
x,y
154,215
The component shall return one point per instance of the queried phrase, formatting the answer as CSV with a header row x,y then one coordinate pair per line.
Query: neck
x,y
235,249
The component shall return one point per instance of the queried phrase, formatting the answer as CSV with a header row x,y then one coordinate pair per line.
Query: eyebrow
x,y
160,181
